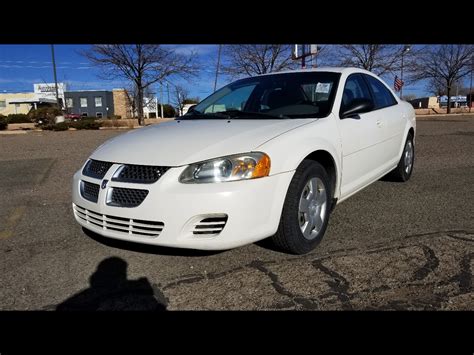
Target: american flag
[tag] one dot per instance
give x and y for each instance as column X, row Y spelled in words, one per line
column 398, row 83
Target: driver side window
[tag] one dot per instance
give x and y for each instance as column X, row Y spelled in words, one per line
column 355, row 88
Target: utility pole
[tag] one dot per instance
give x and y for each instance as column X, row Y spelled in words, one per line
column 55, row 77
column 217, row 67
column 470, row 85
column 161, row 101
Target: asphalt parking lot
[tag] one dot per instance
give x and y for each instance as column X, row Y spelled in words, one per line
column 392, row 246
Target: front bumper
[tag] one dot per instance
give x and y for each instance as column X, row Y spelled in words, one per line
column 253, row 208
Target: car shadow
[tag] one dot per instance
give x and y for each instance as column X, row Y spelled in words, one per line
column 389, row 178
column 148, row 249
column 110, row 290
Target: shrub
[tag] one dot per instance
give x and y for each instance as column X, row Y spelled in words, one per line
column 3, row 123
column 44, row 115
column 86, row 124
column 18, row 118
column 62, row 126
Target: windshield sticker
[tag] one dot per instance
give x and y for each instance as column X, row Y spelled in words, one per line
column 323, row 88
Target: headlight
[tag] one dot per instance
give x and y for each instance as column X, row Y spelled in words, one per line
column 230, row 168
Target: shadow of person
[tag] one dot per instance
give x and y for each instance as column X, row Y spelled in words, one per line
column 111, row 291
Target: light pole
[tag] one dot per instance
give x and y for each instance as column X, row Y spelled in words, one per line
column 217, row 67
column 470, row 85
column 55, row 77
column 405, row 50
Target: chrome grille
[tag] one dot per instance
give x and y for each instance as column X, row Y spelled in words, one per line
column 139, row 174
column 210, row 226
column 122, row 225
column 121, row 197
column 90, row 191
column 96, row 169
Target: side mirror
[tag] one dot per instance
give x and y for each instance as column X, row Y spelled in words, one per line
column 191, row 109
column 357, row 106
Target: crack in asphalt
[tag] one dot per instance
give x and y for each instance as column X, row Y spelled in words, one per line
column 303, row 302
column 338, row 284
column 432, row 262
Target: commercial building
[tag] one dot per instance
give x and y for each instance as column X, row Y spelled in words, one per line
column 425, row 102
column 122, row 104
column 13, row 103
column 456, row 101
column 90, row 103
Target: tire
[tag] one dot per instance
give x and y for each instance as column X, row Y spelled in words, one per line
column 290, row 237
column 404, row 168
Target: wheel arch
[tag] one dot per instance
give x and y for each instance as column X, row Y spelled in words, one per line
column 329, row 163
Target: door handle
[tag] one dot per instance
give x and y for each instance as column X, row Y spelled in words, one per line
column 379, row 123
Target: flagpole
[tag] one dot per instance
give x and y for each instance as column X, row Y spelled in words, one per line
column 405, row 49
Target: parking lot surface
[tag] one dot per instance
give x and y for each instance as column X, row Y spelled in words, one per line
column 393, row 246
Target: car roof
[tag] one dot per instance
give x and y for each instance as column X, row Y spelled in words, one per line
column 348, row 70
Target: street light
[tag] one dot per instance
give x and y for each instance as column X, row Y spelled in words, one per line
column 405, row 50
column 470, row 85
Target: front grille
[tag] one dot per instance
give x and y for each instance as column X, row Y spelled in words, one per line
column 121, row 197
column 90, row 191
column 139, row 174
column 210, row 226
column 125, row 226
column 96, row 169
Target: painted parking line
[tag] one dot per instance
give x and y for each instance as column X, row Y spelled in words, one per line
column 12, row 222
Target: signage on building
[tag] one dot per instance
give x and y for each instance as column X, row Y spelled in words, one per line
column 48, row 90
column 444, row 99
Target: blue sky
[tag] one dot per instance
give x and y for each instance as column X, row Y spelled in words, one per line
column 23, row 65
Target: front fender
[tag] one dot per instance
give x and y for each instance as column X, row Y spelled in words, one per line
column 287, row 151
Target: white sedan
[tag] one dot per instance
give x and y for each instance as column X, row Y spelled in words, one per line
column 266, row 156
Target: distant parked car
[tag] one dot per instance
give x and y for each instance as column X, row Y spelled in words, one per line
column 72, row 116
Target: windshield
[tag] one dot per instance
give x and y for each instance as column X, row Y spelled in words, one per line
column 277, row 96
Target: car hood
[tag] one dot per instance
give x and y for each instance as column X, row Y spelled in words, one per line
column 177, row 143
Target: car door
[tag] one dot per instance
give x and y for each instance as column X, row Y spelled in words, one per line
column 392, row 120
column 361, row 139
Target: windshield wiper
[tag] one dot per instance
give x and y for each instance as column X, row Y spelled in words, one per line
column 230, row 114
column 199, row 115
column 238, row 113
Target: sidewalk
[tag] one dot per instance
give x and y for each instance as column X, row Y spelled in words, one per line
column 454, row 117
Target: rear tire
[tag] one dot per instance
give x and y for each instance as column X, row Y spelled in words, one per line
column 306, row 209
column 404, row 168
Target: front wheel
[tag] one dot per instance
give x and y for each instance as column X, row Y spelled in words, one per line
column 306, row 209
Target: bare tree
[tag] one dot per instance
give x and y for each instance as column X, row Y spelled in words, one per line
column 181, row 96
column 445, row 64
column 436, row 86
column 142, row 64
column 255, row 59
column 377, row 58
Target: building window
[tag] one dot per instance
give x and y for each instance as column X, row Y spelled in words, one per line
column 98, row 101
column 98, row 114
column 83, row 101
column 3, row 104
column 69, row 102
column 84, row 114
